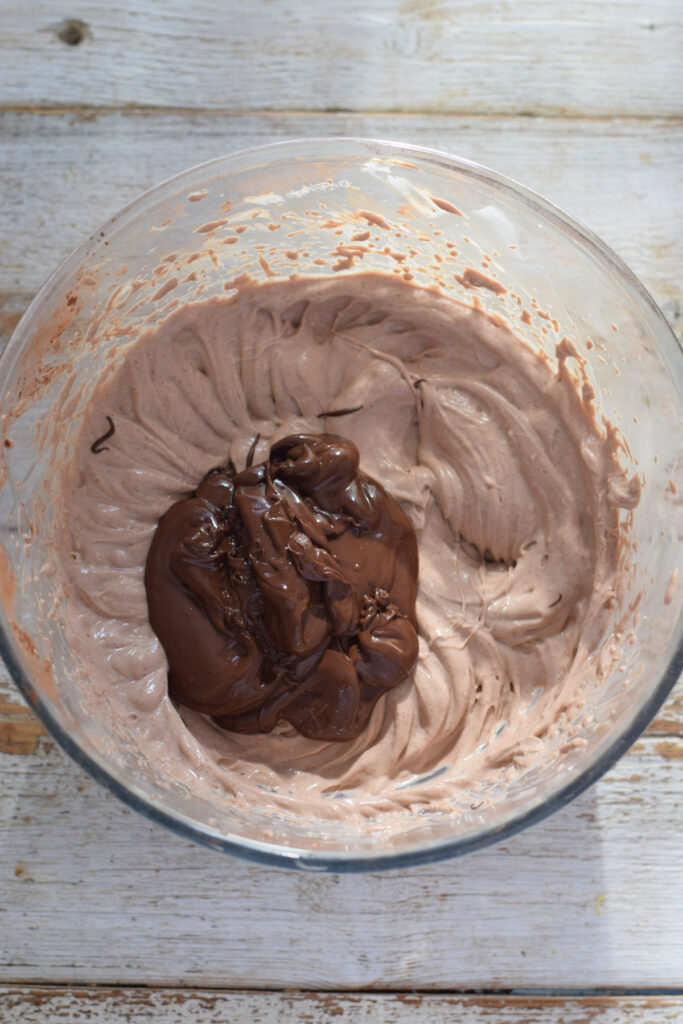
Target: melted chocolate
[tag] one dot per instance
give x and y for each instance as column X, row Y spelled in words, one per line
column 286, row 592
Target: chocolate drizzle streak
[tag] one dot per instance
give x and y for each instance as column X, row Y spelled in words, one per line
column 286, row 592
column 252, row 450
column 339, row 412
column 98, row 445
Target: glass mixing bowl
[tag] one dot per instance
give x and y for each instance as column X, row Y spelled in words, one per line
column 431, row 206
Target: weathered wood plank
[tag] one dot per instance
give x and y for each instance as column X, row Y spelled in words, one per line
column 92, row 893
column 61, row 175
column 452, row 56
column 669, row 720
column 38, row 1005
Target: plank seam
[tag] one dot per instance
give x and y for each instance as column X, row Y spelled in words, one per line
column 502, row 993
column 145, row 110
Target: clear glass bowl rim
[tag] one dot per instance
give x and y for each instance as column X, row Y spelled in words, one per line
column 282, row 856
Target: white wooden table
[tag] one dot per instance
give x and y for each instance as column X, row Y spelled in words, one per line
column 105, row 917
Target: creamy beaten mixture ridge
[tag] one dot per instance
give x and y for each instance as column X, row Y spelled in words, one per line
column 512, row 491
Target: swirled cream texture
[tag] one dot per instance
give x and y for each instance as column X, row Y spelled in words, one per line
column 513, row 493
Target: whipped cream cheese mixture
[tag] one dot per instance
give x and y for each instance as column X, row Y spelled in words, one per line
column 511, row 489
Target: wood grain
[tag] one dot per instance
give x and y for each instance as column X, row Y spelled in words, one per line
column 91, row 892
column 37, row 1005
column 450, row 56
column 669, row 720
column 62, row 174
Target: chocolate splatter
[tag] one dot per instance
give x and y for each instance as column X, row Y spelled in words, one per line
column 339, row 412
column 252, row 451
column 447, row 207
column 98, row 445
